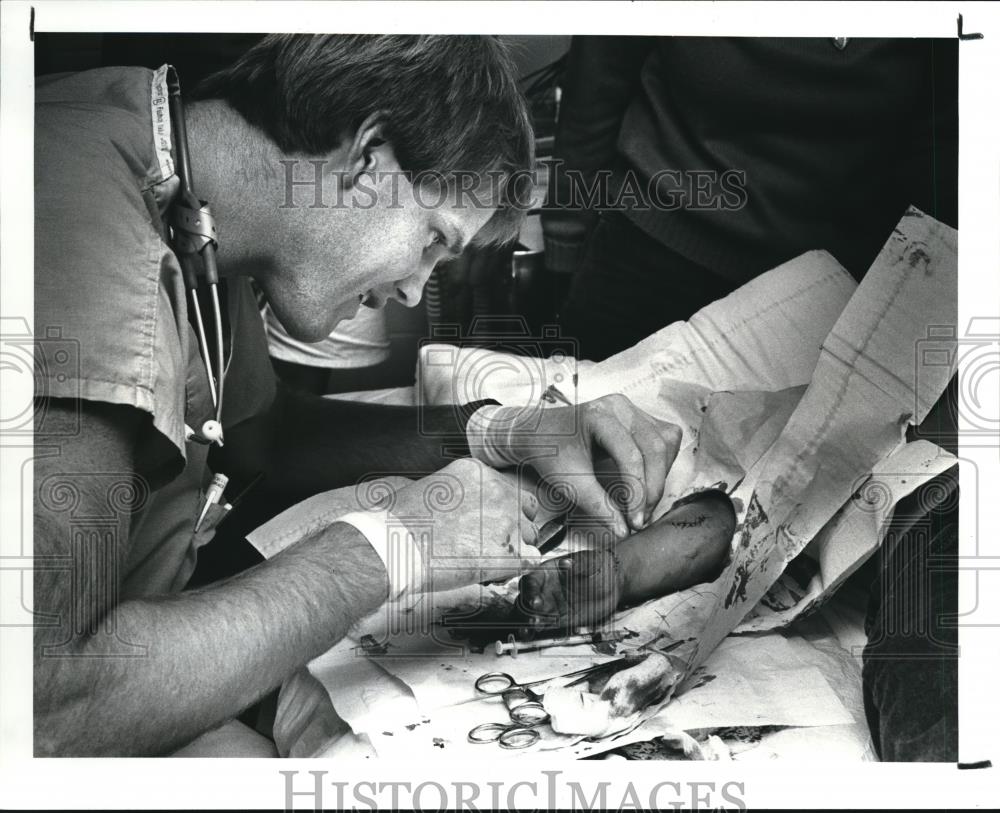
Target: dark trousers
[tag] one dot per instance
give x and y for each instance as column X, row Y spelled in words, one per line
column 630, row 285
column 910, row 663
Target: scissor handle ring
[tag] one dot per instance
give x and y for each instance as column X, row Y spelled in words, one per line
column 488, row 732
column 517, row 696
column 516, row 738
column 529, row 714
column 483, row 681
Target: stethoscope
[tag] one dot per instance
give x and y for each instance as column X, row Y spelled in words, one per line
column 194, row 237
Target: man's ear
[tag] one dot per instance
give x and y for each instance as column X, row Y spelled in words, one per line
column 369, row 152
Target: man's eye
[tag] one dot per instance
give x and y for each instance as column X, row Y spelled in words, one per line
column 437, row 239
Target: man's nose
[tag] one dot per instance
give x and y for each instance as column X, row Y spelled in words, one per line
column 409, row 291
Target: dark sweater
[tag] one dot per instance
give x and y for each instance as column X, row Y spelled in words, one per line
column 833, row 144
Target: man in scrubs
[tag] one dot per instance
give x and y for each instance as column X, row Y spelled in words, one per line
column 126, row 661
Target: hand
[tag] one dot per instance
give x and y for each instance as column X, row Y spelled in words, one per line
column 581, row 589
column 641, row 447
column 472, row 523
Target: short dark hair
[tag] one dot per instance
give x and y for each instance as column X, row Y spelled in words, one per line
column 450, row 104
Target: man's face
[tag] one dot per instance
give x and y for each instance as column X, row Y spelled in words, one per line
column 379, row 239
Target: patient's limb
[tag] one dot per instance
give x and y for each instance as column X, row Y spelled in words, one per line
column 687, row 546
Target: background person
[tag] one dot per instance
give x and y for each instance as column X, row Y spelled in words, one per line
column 730, row 156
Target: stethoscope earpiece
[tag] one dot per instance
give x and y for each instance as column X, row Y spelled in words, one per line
column 211, row 432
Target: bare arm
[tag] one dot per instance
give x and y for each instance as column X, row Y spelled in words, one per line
column 146, row 676
column 686, row 546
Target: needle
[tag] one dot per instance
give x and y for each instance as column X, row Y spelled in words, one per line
column 513, row 648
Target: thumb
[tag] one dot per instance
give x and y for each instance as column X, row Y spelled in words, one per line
column 524, row 548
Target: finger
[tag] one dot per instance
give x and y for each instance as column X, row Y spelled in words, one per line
column 617, row 441
column 534, row 588
column 541, row 596
column 529, row 532
column 521, row 543
column 529, row 504
column 529, row 593
column 586, row 594
column 562, row 607
column 553, row 606
column 655, row 464
column 575, row 579
column 672, row 436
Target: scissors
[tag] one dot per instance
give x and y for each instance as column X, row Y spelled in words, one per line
column 517, row 734
column 525, row 706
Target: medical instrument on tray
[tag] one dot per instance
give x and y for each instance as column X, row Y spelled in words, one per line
column 194, row 236
column 525, row 705
column 513, row 646
column 502, row 684
column 520, row 732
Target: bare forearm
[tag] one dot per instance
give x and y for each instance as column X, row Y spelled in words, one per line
column 686, row 546
column 207, row 653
